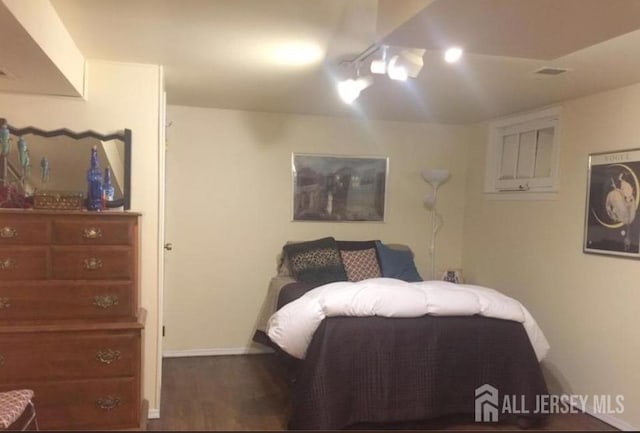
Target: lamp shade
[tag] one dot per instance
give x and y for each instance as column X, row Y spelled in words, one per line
column 434, row 176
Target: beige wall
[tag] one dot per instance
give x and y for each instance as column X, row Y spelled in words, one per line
column 229, row 195
column 587, row 305
column 120, row 96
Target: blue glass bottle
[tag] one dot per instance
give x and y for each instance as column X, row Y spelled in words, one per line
column 94, row 183
column 108, row 190
column 5, row 137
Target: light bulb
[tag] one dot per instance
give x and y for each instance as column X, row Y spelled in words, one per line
column 349, row 90
column 378, row 67
column 395, row 72
column 453, row 54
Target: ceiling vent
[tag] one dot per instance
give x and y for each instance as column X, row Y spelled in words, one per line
column 546, row 70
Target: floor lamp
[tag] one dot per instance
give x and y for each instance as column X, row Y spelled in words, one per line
column 435, row 178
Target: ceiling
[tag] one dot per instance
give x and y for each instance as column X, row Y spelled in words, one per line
column 228, row 53
column 24, row 65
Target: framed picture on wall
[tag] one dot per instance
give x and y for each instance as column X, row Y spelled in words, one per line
column 612, row 225
column 339, row 188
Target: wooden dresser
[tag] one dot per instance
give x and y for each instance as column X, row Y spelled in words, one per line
column 70, row 328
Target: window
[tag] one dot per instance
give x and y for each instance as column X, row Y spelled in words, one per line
column 522, row 155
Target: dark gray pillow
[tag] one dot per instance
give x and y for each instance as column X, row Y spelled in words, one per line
column 355, row 245
column 315, row 261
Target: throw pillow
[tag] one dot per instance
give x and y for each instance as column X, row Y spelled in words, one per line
column 361, row 264
column 315, row 261
column 355, row 245
column 397, row 264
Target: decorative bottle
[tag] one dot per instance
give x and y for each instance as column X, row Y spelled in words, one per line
column 5, row 138
column 108, row 190
column 94, row 183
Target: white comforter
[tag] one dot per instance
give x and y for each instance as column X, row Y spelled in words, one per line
column 293, row 326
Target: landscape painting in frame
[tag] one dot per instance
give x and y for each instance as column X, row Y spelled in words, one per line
column 338, row 188
column 612, row 222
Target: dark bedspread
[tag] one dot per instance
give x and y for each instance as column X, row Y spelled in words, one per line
column 375, row 369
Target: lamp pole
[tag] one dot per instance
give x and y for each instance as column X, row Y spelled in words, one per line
column 434, row 229
column 435, row 178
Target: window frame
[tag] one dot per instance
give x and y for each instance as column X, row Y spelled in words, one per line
column 523, row 187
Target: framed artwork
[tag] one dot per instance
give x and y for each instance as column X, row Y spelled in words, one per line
column 612, row 225
column 338, row 188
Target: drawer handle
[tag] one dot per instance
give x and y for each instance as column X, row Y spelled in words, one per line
column 92, row 263
column 5, row 303
column 92, row 233
column 1, row 360
column 105, row 301
column 108, row 403
column 8, row 233
column 108, row 356
column 7, row 264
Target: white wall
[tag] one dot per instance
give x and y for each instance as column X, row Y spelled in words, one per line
column 119, row 96
column 229, row 193
column 587, row 305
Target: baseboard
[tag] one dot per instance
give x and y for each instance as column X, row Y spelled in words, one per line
column 153, row 413
column 611, row 420
column 216, row 352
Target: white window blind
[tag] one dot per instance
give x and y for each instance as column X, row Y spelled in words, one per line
column 523, row 152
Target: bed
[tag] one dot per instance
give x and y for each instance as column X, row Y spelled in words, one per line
column 376, row 369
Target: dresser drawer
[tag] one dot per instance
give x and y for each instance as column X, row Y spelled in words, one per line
column 23, row 263
column 33, row 356
column 23, row 230
column 70, row 328
column 93, row 231
column 52, row 300
column 91, row 263
column 105, row 404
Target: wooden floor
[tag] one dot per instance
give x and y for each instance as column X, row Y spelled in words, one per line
column 246, row 392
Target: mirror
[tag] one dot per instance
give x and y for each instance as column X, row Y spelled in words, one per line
column 58, row 161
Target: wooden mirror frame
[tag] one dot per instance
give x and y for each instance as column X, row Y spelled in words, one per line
column 124, row 136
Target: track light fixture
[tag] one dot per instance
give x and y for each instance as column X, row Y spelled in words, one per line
column 379, row 66
column 407, row 63
column 395, row 71
column 350, row 89
column 403, row 63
